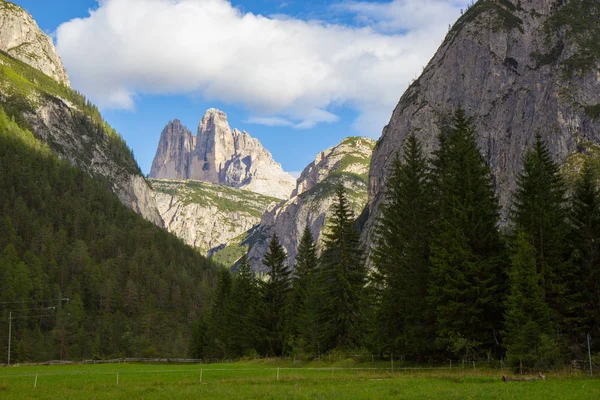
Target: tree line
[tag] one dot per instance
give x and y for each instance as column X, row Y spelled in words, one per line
column 448, row 280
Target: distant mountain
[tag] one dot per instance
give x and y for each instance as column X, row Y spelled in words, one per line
column 518, row 67
column 219, row 155
column 21, row 38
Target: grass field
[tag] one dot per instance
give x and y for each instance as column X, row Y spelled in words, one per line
column 258, row 380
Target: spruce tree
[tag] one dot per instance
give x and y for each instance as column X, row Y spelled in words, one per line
column 218, row 332
column 401, row 254
column 584, row 287
column 305, row 303
column 274, row 292
column 528, row 331
column 343, row 276
column 466, row 289
column 242, row 311
column 540, row 212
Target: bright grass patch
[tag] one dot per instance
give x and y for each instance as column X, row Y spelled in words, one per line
column 258, row 380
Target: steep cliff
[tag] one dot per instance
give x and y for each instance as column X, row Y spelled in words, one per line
column 21, row 38
column 219, row 155
column 75, row 130
column 209, row 216
column 518, row 68
column 346, row 164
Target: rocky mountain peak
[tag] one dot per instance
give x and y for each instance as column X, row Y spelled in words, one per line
column 218, row 154
column 21, row 37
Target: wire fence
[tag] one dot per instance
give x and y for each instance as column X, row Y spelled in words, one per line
column 147, row 371
column 204, row 375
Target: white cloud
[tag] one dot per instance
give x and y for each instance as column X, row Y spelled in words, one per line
column 285, row 68
column 269, row 121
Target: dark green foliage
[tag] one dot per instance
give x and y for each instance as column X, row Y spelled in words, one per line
column 242, row 312
column 529, row 338
column 219, row 332
column 585, row 241
column 343, row 276
column 540, row 212
column 593, row 111
column 401, row 256
column 134, row 288
column 305, row 297
column 503, row 12
column 580, row 22
column 275, row 292
column 466, row 289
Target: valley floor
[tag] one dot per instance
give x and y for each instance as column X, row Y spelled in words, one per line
column 269, row 380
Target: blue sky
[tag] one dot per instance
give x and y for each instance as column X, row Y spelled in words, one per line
column 298, row 75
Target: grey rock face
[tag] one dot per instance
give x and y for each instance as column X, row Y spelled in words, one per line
column 219, row 155
column 64, row 129
column 517, row 69
column 346, row 164
column 208, row 216
column 21, row 37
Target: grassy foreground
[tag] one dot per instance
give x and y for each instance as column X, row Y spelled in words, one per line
column 258, row 380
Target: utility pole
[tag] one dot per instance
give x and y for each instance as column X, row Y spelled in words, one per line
column 589, row 354
column 9, row 333
column 25, row 309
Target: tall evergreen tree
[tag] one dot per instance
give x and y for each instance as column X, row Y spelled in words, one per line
column 466, row 289
column 528, row 330
column 585, row 243
column 343, row 275
column 242, row 311
column 305, row 303
column 275, row 291
column 218, row 333
column 401, row 254
column 540, row 212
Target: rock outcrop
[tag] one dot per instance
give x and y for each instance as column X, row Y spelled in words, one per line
column 518, row 68
column 346, row 164
column 209, row 216
column 219, row 155
column 21, row 37
column 75, row 138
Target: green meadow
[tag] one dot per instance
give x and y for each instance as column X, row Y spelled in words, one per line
column 263, row 380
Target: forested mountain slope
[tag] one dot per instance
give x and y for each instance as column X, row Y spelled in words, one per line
column 134, row 289
column 61, row 117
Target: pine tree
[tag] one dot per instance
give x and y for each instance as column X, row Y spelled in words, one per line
column 466, row 289
column 218, row 332
column 274, row 292
column 540, row 212
column 305, row 303
column 343, row 276
column 401, row 255
column 584, row 287
column 200, row 340
column 242, row 311
column 528, row 331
